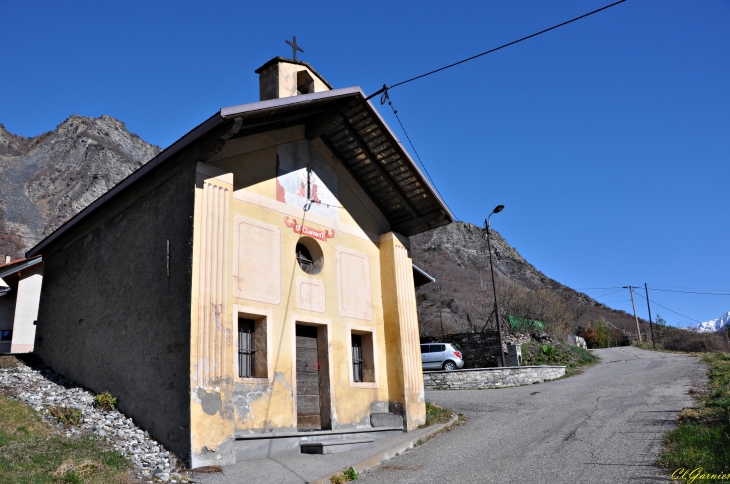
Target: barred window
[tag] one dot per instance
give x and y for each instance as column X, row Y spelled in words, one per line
column 356, row 357
column 246, row 350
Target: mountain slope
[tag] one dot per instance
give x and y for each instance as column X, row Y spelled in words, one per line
column 457, row 256
column 47, row 179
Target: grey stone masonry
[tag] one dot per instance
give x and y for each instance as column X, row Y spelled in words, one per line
column 477, row 378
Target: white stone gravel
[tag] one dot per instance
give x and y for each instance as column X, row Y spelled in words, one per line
column 42, row 388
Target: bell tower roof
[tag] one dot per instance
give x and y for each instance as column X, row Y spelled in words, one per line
column 281, row 77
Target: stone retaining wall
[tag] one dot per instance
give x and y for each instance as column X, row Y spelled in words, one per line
column 478, row 378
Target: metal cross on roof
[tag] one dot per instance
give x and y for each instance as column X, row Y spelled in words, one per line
column 294, row 47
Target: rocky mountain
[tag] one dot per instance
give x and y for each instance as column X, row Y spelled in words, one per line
column 461, row 299
column 47, row 179
column 713, row 325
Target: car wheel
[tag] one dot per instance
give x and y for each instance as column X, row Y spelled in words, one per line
column 449, row 366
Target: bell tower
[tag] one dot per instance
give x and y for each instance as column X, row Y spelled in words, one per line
column 281, row 77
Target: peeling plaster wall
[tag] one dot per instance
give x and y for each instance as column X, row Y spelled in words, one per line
column 247, row 168
column 111, row 319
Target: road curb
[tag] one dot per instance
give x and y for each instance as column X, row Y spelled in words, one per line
column 367, row 464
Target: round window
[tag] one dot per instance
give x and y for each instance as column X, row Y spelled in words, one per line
column 309, row 255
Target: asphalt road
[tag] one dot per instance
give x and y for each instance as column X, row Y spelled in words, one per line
column 603, row 426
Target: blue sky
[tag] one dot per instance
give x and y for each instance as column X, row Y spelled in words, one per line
column 607, row 140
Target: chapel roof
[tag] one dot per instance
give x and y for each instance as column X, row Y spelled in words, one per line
column 347, row 124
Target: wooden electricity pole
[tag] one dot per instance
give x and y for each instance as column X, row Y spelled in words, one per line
column 638, row 330
column 653, row 343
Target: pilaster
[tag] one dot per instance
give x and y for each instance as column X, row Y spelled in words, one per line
column 405, row 376
column 212, row 428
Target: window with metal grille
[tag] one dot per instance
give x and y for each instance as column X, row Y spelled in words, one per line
column 246, row 350
column 357, row 358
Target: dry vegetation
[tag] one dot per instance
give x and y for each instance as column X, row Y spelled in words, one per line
column 461, row 299
column 559, row 314
column 33, row 452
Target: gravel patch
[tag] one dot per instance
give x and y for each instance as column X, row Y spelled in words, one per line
column 42, row 389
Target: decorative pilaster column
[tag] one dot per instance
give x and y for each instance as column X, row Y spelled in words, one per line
column 402, row 341
column 211, row 422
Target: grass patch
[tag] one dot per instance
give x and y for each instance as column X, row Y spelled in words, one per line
column 8, row 361
column 345, row 476
column 436, row 414
column 703, row 435
column 33, row 452
column 575, row 359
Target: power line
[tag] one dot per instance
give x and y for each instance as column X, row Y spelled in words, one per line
column 691, row 292
column 670, row 310
column 386, row 88
column 596, row 288
column 695, row 288
column 395, row 112
column 608, row 294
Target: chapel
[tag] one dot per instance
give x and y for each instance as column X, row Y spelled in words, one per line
column 249, row 292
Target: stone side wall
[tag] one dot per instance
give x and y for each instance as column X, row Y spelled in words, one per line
column 112, row 320
column 490, row 377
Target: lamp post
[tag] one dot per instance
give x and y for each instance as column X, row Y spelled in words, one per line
column 497, row 209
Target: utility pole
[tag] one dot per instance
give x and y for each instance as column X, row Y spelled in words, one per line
column 653, row 343
column 638, row 330
column 497, row 209
column 440, row 317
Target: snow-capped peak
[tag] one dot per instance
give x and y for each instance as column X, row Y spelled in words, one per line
column 713, row 325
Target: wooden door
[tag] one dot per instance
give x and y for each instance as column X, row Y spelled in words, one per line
column 308, row 401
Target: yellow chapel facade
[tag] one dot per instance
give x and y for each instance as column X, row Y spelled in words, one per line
column 302, row 310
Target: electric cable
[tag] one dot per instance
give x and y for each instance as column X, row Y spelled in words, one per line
column 670, row 310
column 395, row 112
column 385, row 88
column 691, row 292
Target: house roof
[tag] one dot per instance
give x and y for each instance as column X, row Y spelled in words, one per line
column 350, row 127
column 18, row 265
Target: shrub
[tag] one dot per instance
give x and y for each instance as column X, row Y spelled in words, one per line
column 677, row 339
column 66, row 415
column 346, row 476
column 105, row 401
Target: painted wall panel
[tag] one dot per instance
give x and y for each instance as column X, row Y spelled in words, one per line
column 257, row 256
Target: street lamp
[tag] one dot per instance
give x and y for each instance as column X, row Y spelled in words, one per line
column 497, row 209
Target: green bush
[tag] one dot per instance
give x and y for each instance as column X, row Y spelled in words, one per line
column 105, row 401
column 350, row 474
column 559, row 354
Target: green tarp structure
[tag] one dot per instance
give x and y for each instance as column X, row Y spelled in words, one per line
column 524, row 325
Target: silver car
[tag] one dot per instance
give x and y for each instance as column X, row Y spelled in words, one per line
column 440, row 356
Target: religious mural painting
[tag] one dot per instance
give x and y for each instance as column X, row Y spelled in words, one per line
column 305, row 179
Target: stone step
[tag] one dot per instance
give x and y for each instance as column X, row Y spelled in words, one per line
column 385, row 419
column 334, row 446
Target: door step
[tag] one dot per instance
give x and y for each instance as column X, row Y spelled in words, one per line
column 334, row 446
